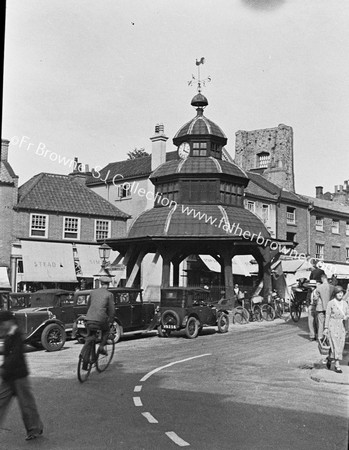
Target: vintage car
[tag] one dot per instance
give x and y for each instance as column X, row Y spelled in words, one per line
column 131, row 313
column 190, row 309
column 48, row 319
column 19, row 300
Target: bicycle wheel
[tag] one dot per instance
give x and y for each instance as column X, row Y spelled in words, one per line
column 278, row 310
column 103, row 361
column 268, row 312
column 296, row 311
column 256, row 313
column 84, row 363
column 241, row 316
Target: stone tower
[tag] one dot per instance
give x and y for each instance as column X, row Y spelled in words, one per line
column 269, row 152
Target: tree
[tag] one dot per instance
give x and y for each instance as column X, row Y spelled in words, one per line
column 137, row 153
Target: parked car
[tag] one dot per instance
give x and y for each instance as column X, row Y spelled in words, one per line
column 131, row 313
column 190, row 309
column 48, row 319
column 19, row 300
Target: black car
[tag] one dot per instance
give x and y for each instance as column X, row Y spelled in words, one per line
column 47, row 319
column 190, row 309
column 131, row 313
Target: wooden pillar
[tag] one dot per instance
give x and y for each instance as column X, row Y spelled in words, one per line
column 267, row 286
column 176, row 272
column 228, row 276
column 166, row 267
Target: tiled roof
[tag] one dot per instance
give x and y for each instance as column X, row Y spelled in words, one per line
column 327, row 204
column 130, row 168
column 62, row 193
column 6, row 173
column 166, row 221
column 198, row 165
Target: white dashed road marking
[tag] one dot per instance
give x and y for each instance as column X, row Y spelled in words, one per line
column 149, row 417
column 176, row 439
column 137, row 401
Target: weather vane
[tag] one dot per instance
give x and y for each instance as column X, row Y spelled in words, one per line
column 197, row 80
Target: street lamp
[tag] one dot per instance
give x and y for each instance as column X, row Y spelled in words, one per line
column 104, row 253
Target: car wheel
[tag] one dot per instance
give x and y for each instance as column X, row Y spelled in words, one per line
column 192, row 328
column 163, row 333
column 170, row 317
column 116, row 330
column 53, row 337
column 223, row 323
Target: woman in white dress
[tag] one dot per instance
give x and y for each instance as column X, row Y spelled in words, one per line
column 337, row 311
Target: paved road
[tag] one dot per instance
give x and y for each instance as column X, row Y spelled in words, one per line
column 248, row 389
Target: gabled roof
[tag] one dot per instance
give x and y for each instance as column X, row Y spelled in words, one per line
column 64, row 194
column 123, row 170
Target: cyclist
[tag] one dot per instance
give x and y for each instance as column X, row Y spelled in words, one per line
column 101, row 311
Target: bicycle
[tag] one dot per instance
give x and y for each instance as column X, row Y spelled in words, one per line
column 90, row 355
column 252, row 312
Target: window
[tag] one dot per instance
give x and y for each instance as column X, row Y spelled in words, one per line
column 199, row 149
column 347, row 228
column 71, row 229
column 250, row 206
column 319, row 223
column 38, row 225
column 290, row 237
column 265, row 213
column 291, row 215
column 199, row 191
column 167, row 190
column 125, row 190
column 319, row 251
column 347, row 255
column 263, row 160
column 231, row 194
column 102, row 229
column 335, row 226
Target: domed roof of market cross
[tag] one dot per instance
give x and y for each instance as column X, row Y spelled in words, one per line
column 200, row 125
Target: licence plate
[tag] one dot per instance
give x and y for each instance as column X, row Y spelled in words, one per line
column 170, row 327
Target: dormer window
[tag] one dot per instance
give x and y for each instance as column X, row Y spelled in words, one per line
column 263, row 160
column 199, row 148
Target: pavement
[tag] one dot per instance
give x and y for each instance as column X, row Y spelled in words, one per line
column 318, row 370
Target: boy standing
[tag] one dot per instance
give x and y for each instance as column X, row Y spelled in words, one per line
column 14, row 374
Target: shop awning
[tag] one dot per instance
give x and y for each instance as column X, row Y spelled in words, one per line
column 241, row 265
column 90, row 262
column 4, row 282
column 48, row 262
column 340, row 271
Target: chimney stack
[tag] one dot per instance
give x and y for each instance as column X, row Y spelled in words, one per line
column 319, row 191
column 4, row 149
column 158, row 153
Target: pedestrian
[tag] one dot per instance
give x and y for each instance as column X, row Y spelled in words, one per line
column 316, row 272
column 14, row 373
column 323, row 295
column 239, row 295
column 337, row 311
column 311, row 301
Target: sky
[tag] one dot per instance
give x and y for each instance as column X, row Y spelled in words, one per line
column 91, row 79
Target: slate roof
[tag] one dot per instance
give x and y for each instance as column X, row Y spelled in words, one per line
column 63, row 194
column 130, row 168
column 198, row 165
column 260, row 186
column 176, row 222
column 327, row 204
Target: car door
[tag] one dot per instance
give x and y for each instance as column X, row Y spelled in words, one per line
column 66, row 307
column 137, row 310
column 123, row 310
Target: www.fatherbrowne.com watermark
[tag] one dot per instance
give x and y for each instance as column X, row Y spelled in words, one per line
column 158, row 198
